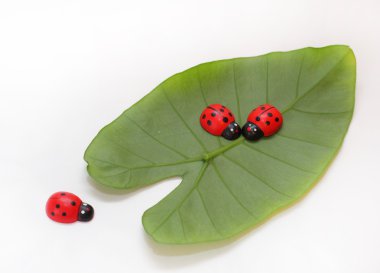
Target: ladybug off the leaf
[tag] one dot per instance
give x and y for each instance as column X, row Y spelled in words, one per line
column 66, row 207
column 218, row 120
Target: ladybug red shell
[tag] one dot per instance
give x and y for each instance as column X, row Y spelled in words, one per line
column 65, row 207
column 218, row 120
column 264, row 120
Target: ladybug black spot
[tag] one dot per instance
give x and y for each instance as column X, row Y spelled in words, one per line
column 223, row 106
column 213, row 114
column 73, row 203
column 62, row 193
column 262, row 108
column 52, row 213
column 230, row 114
column 63, row 213
column 204, row 116
column 221, row 110
column 209, row 122
column 270, row 114
column 277, row 119
column 257, row 118
column 225, row 119
column 267, row 123
column 57, row 206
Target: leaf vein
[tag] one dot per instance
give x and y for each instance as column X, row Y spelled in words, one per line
column 158, row 141
column 183, row 120
column 258, row 178
column 129, row 151
column 148, row 166
column 201, row 87
column 117, row 174
column 320, row 113
column 199, row 177
column 204, row 97
column 278, row 159
column 316, row 84
column 206, row 210
column 182, row 224
column 305, row 141
column 267, row 79
column 299, row 75
column 236, row 91
column 231, row 193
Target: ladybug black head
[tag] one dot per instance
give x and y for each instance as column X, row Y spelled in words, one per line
column 233, row 131
column 86, row 212
column 252, row 132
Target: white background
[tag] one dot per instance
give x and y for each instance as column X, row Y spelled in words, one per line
column 67, row 68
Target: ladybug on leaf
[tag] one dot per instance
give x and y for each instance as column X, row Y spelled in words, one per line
column 218, row 120
column 264, row 120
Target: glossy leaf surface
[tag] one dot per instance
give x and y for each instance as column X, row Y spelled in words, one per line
column 229, row 187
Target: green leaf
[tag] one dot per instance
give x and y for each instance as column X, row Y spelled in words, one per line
column 229, row 187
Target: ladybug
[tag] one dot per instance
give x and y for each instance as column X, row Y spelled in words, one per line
column 65, row 207
column 218, row 120
column 264, row 120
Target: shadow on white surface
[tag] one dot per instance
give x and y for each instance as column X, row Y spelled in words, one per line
column 177, row 257
column 181, row 256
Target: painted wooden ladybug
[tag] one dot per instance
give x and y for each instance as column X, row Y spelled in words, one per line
column 218, row 120
column 264, row 120
column 65, row 207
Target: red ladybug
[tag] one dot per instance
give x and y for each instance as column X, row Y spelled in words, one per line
column 219, row 121
column 65, row 207
column 264, row 120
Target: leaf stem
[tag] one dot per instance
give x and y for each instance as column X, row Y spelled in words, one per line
column 211, row 155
